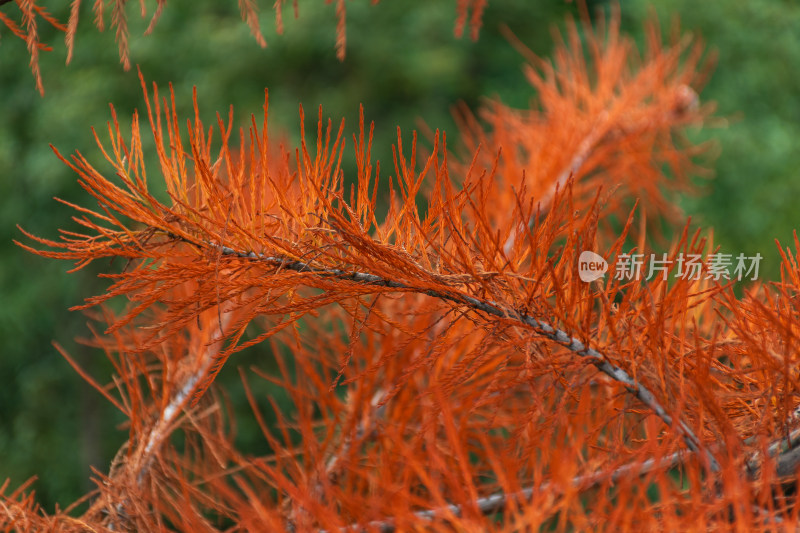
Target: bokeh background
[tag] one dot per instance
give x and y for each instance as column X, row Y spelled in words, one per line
column 406, row 67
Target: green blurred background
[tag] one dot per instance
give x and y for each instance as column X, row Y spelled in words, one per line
column 404, row 64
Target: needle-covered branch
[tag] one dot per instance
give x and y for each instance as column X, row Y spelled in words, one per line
column 116, row 12
column 433, row 364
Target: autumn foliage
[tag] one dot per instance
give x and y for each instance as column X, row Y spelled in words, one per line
column 447, row 368
column 25, row 21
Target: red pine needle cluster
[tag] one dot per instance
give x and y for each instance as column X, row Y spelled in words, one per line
column 447, row 368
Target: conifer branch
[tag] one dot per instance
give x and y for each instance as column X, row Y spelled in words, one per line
column 142, row 450
column 499, row 501
column 441, row 412
column 787, row 452
column 249, row 13
column 541, row 327
column 181, row 398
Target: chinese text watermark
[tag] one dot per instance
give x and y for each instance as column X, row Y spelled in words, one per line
column 716, row 266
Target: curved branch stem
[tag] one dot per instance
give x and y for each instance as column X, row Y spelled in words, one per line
column 489, row 307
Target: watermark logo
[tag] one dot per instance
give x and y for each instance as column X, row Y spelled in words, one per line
column 591, row 266
column 717, row 266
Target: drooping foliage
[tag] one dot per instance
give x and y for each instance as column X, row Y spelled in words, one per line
column 115, row 14
column 448, row 368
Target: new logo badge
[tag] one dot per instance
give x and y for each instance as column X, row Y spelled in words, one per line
column 591, row 266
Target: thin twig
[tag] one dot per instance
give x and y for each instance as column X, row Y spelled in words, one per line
column 787, row 451
column 375, row 413
column 498, row 501
column 162, row 427
column 585, row 148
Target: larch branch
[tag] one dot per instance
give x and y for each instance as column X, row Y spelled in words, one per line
column 786, row 451
column 496, row 502
column 492, row 308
